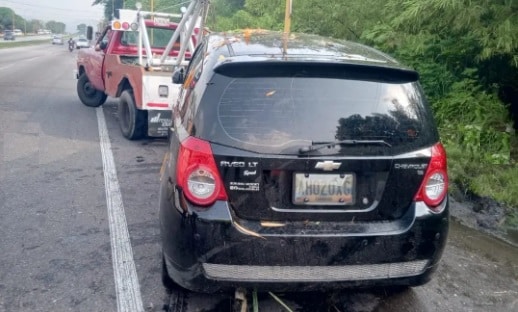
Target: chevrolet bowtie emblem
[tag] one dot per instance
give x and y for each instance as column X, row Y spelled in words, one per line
column 328, row 165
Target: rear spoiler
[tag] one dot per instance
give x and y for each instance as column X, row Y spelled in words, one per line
column 277, row 68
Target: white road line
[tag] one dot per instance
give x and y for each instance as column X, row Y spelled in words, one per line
column 126, row 281
column 33, row 58
column 6, row 66
column 26, row 60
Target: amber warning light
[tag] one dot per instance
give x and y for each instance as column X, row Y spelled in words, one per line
column 124, row 26
column 116, row 25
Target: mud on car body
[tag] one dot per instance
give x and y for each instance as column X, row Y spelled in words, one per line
column 302, row 164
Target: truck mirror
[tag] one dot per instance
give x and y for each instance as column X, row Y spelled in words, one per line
column 89, row 32
column 178, row 76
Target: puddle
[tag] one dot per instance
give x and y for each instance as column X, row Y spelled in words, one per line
column 484, row 215
column 512, row 234
column 475, row 240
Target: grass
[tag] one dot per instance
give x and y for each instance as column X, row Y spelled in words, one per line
column 10, row 44
column 468, row 173
column 500, row 183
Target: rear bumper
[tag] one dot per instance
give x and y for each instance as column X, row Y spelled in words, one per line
column 211, row 251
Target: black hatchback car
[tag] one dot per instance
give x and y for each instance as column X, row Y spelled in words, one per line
column 300, row 163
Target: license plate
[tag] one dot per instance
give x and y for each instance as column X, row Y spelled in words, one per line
column 161, row 20
column 323, row 189
column 159, row 122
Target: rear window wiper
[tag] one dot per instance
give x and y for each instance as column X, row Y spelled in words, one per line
column 320, row 145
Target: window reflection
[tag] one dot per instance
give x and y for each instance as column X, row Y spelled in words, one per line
column 277, row 111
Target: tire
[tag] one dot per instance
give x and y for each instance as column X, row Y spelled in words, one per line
column 177, row 302
column 132, row 121
column 167, row 281
column 87, row 94
column 177, row 294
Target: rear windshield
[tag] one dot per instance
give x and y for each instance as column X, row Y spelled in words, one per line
column 283, row 114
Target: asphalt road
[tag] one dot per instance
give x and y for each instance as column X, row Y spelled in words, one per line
column 57, row 245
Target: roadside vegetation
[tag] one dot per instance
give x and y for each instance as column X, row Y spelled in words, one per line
column 4, row 45
column 466, row 52
column 10, row 20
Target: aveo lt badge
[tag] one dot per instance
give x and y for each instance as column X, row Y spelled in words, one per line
column 328, row 165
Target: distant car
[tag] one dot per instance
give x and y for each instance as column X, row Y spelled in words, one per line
column 57, row 39
column 9, row 35
column 82, row 43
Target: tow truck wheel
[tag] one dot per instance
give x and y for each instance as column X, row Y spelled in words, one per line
column 132, row 121
column 88, row 95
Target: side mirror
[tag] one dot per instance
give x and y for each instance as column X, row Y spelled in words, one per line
column 89, row 32
column 178, row 76
column 100, row 46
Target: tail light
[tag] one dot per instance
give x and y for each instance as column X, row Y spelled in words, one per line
column 197, row 174
column 434, row 188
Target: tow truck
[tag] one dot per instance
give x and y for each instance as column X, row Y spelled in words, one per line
column 133, row 60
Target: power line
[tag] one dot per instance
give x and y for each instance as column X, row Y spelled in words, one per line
column 41, row 10
column 42, row 6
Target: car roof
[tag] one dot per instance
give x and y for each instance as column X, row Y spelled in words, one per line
column 258, row 44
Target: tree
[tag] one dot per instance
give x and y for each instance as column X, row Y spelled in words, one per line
column 10, row 20
column 34, row 24
column 330, row 18
column 6, row 18
column 55, row 27
column 226, row 8
column 111, row 7
column 167, row 6
column 452, row 40
column 81, row 28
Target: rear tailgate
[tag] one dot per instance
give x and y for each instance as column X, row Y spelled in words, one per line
column 270, row 187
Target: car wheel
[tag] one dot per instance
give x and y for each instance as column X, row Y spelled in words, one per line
column 167, row 281
column 177, row 302
column 177, row 294
column 88, row 95
column 132, row 121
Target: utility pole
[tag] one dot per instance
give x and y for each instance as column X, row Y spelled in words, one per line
column 287, row 17
column 287, row 25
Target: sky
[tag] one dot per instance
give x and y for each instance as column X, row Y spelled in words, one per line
column 70, row 12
